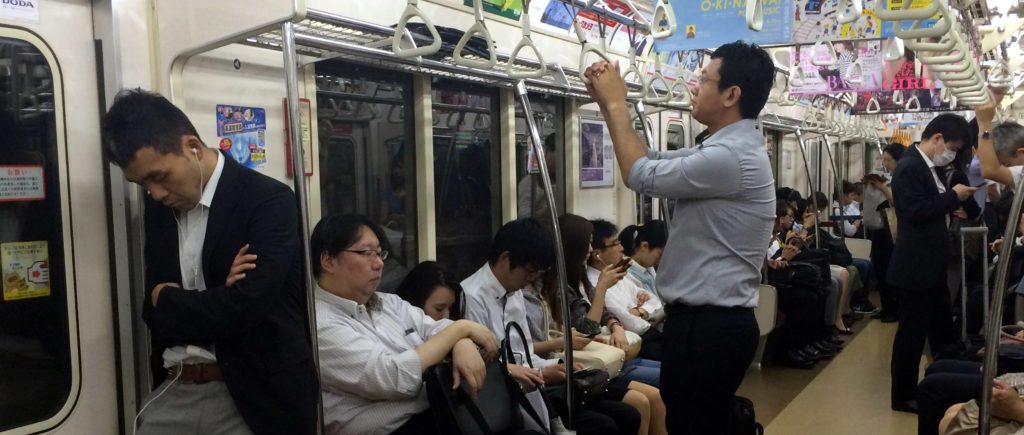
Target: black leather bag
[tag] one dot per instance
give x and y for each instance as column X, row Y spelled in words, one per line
column 839, row 255
column 494, row 411
column 587, row 384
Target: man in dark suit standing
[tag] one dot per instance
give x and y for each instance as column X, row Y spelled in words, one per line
column 919, row 260
column 224, row 299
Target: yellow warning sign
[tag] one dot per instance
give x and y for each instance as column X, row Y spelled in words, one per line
column 26, row 270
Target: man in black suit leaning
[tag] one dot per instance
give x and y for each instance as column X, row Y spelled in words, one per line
column 224, row 298
column 921, row 255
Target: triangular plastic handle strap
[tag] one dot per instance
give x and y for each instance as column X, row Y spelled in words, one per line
column 680, row 92
column 897, row 97
column 411, row 11
column 831, row 60
column 589, row 47
column 873, row 106
column 479, row 28
column 526, row 42
column 651, row 95
column 796, row 76
column 634, row 71
column 913, row 104
column 664, row 24
column 849, row 11
column 855, row 72
column 755, row 15
column 894, row 50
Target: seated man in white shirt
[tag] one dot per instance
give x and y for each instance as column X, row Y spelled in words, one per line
column 635, row 308
column 520, row 252
column 375, row 347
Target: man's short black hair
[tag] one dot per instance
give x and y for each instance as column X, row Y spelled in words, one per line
column 527, row 242
column 140, row 119
column 952, row 127
column 602, row 230
column 749, row 67
column 334, row 234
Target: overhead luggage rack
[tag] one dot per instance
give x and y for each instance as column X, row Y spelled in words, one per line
column 323, row 35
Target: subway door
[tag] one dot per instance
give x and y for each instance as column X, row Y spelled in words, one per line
column 57, row 365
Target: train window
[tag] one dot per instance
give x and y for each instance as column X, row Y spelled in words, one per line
column 367, row 155
column 676, row 137
column 531, row 199
column 36, row 357
column 466, row 173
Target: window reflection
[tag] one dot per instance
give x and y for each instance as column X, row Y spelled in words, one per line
column 531, row 199
column 466, row 174
column 367, row 155
column 35, row 349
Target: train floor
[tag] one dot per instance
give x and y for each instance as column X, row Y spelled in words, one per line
column 847, row 395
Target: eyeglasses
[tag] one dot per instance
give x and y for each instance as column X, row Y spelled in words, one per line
column 370, row 253
column 701, row 80
column 610, row 245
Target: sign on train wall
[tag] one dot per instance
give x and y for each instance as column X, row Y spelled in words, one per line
column 711, row 23
column 842, row 75
column 242, row 134
column 815, row 20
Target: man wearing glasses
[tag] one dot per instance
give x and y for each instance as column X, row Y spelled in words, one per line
column 724, row 212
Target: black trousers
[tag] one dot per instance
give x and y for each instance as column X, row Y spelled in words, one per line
column 923, row 315
column 804, row 310
column 650, row 345
column 945, row 384
column 604, row 417
column 881, row 252
column 705, row 354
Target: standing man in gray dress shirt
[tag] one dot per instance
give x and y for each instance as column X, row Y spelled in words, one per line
column 725, row 205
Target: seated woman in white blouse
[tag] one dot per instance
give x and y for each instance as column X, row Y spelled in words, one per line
column 374, row 347
column 633, row 306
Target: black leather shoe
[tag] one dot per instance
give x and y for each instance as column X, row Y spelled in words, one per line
column 809, row 352
column 794, row 360
column 824, row 351
column 908, row 406
column 835, row 339
column 825, row 345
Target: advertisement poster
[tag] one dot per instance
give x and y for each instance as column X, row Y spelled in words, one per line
column 815, row 20
column 711, row 23
column 24, row 10
column 26, row 270
column 511, row 9
column 556, row 16
column 305, row 126
column 841, row 77
column 22, row 183
column 596, row 155
column 900, row 83
column 889, row 27
column 242, row 133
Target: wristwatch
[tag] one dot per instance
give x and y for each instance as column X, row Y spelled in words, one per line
column 986, row 134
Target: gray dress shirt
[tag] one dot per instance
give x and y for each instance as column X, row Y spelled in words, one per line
column 725, row 208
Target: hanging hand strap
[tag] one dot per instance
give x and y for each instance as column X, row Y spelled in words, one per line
column 526, row 42
column 479, row 28
column 411, row 11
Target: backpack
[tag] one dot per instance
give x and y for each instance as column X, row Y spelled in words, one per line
column 743, row 420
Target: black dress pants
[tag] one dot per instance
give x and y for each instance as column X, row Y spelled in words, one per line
column 923, row 315
column 705, row 354
column 881, row 252
column 804, row 310
column 945, row 384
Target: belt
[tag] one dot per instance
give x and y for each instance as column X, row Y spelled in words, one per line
column 679, row 308
column 197, row 373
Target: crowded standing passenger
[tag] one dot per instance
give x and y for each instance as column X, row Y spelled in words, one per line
column 224, row 299
column 724, row 205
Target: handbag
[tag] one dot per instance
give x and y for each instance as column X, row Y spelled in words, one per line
column 494, row 411
column 596, row 355
column 633, row 339
column 587, row 384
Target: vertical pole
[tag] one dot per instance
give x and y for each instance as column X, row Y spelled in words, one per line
column 291, row 71
column 641, row 113
column 814, row 198
column 995, row 319
column 963, row 288
column 835, row 174
column 538, row 148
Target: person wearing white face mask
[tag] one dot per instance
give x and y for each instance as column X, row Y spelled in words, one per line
column 918, row 268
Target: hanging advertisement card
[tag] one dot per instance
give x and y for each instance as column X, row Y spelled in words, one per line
column 26, row 270
column 26, row 11
column 242, row 133
column 556, row 16
column 889, row 27
column 511, row 9
column 815, row 20
column 597, row 158
column 22, row 183
column 858, row 67
column 711, row 23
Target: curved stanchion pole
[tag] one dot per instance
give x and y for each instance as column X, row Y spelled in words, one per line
column 814, row 199
column 291, row 71
column 412, row 11
column 538, row 149
column 526, row 42
column 995, row 319
column 479, row 28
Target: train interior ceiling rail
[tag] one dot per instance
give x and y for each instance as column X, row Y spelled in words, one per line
column 430, row 117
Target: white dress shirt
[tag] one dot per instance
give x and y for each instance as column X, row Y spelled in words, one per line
column 486, row 302
column 191, row 235
column 622, row 297
column 370, row 372
column 935, row 175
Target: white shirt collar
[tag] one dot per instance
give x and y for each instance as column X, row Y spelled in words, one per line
column 492, row 287
column 927, row 160
column 211, row 186
column 347, row 306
